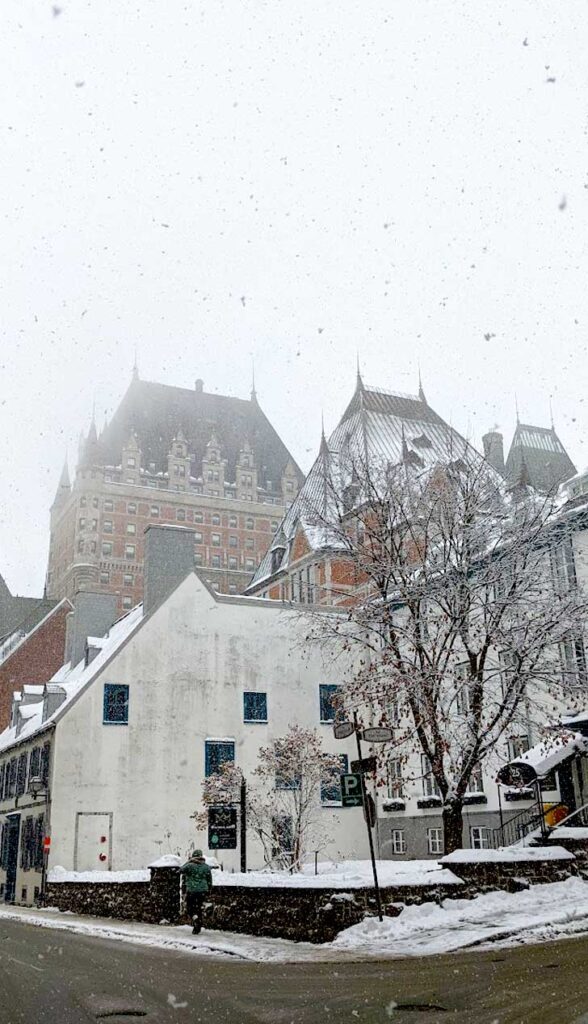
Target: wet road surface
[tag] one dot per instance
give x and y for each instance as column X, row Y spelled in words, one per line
column 55, row 977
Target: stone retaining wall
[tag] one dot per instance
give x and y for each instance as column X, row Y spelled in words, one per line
column 302, row 914
column 486, row 876
column 311, row 915
column 153, row 901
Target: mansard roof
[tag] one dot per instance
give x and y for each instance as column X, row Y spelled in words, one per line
column 542, row 455
column 158, row 412
column 378, row 427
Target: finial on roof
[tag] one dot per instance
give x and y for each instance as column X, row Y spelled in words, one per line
column 359, row 382
column 551, row 414
column 135, row 366
column 517, row 409
column 421, row 392
column 253, row 391
column 324, row 448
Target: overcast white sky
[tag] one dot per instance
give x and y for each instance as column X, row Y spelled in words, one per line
column 294, row 180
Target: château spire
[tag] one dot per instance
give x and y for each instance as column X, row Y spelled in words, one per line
column 253, row 391
column 64, row 485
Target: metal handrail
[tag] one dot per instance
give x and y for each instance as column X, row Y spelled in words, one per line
column 583, row 820
column 519, row 826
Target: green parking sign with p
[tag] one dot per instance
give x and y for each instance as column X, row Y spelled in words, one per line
column 351, row 792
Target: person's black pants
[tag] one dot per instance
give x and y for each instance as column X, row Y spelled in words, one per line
column 194, row 901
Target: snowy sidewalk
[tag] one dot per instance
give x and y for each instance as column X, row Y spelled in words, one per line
column 541, row 913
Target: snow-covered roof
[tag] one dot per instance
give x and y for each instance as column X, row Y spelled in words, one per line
column 550, row 752
column 378, row 428
column 71, row 680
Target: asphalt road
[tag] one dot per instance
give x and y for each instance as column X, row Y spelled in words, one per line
column 55, row 977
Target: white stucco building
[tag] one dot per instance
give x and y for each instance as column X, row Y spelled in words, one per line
column 194, row 677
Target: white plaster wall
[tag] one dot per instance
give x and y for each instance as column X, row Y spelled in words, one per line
column 187, row 668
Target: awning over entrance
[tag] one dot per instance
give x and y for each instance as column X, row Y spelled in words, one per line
column 541, row 759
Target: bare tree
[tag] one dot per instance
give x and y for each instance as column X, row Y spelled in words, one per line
column 460, row 598
column 283, row 796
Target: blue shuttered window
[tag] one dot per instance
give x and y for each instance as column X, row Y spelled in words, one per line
column 327, row 694
column 217, row 753
column 331, row 784
column 254, row 706
column 116, row 704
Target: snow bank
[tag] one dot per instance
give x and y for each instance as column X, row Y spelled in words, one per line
column 549, row 910
column 507, row 854
column 353, row 874
column 169, row 860
column 59, row 874
column 568, row 832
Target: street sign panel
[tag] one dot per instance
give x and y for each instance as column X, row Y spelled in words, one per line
column 365, row 766
column 369, row 810
column 377, row 734
column 222, row 828
column 351, row 793
column 343, row 729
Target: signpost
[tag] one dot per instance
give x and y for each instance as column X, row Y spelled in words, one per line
column 365, row 766
column 351, row 790
column 222, row 828
column 377, row 734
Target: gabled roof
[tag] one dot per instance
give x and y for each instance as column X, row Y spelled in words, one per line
column 156, row 413
column 20, row 614
column 538, row 452
column 72, row 679
column 19, row 636
column 377, row 427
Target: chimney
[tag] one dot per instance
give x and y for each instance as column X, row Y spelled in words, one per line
column 93, row 615
column 199, row 386
column 494, row 450
column 169, row 558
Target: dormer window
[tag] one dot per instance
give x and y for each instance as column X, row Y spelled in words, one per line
column 277, row 558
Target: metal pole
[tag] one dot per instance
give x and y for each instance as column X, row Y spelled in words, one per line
column 243, row 824
column 541, row 810
column 368, row 824
column 500, row 814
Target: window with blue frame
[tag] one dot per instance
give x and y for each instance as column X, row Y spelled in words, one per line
column 254, row 706
column 331, row 784
column 217, row 753
column 116, row 704
column 327, row 694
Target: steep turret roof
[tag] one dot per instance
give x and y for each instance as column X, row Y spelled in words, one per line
column 547, row 464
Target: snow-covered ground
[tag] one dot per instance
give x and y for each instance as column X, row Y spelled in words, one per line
column 351, row 874
column 541, row 913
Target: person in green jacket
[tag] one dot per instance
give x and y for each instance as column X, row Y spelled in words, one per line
column 198, row 880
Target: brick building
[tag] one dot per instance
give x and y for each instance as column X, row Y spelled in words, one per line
column 177, row 456
column 33, row 656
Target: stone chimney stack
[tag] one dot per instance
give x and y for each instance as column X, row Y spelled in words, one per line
column 494, row 450
column 169, row 558
column 93, row 615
